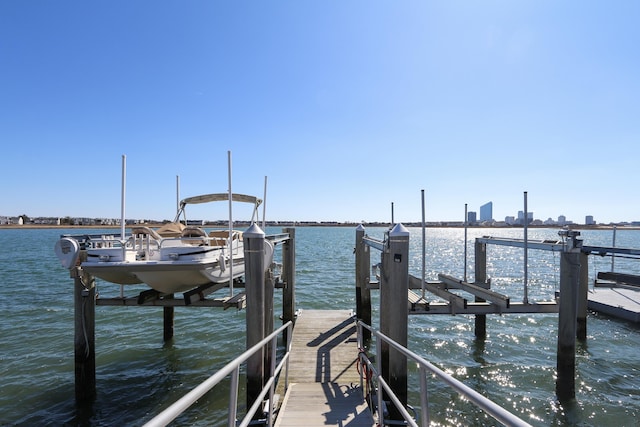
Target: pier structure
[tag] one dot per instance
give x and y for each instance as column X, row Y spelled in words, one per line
column 572, row 305
column 320, row 370
column 259, row 292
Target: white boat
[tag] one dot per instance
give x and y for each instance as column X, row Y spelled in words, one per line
column 173, row 258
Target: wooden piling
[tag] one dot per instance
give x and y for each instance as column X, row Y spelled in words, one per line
column 168, row 320
column 255, row 317
column 394, row 288
column 363, row 293
column 567, row 324
column 480, row 251
column 84, row 340
column 289, row 276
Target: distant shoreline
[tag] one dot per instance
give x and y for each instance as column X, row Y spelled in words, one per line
column 411, row 225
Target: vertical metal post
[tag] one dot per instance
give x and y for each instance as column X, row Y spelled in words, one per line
column 525, row 298
column 567, row 324
column 466, row 225
column 425, row 419
column 123, row 198
column 480, row 253
column 396, row 273
column 272, row 368
column 380, row 367
column 233, row 397
column 363, row 293
column 230, row 239
column 123, row 220
column 269, row 286
column 385, row 310
column 264, row 206
column 393, row 221
column 177, row 193
column 424, row 248
column 255, row 317
column 613, row 243
column 84, row 341
column 289, row 277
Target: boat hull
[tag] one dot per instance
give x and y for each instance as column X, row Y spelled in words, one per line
column 119, row 273
column 165, row 276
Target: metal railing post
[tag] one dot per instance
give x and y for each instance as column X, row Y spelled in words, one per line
column 233, row 397
column 424, row 398
column 379, row 386
column 274, row 345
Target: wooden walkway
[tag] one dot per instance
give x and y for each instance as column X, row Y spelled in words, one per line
column 324, row 385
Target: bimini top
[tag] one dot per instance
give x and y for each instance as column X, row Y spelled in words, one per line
column 220, row 197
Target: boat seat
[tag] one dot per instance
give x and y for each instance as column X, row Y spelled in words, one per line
column 218, row 237
column 137, row 231
column 224, row 234
column 194, row 236
column 171, row 229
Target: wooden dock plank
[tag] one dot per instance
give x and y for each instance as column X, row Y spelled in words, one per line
column 323, row 380
column 324, row 348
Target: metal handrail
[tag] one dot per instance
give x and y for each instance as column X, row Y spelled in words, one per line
column 233, row 368
column 488, row 406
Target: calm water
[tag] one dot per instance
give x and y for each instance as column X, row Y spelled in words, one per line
column 138, row 374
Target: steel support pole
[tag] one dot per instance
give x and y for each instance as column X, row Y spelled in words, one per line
column 255, row 316
column 289, row 278
column 363, row 293
column 396, row 273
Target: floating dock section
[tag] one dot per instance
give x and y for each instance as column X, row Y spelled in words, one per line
column 616, row 295
column 616, row 301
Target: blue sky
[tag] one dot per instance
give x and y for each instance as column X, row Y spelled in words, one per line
column 346, row 106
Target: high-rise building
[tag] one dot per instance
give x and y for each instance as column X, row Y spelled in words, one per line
column 486, row 212
column 588, row 220
column 472, row 218
column 520, row 219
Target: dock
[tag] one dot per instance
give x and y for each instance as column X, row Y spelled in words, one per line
column 617, row 301
column 318, row 379
column 324, row 384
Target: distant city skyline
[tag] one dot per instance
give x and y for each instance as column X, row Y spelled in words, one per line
column 471, row 219
column 486, row 215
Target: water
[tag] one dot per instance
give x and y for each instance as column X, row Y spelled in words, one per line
column 137, row 374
